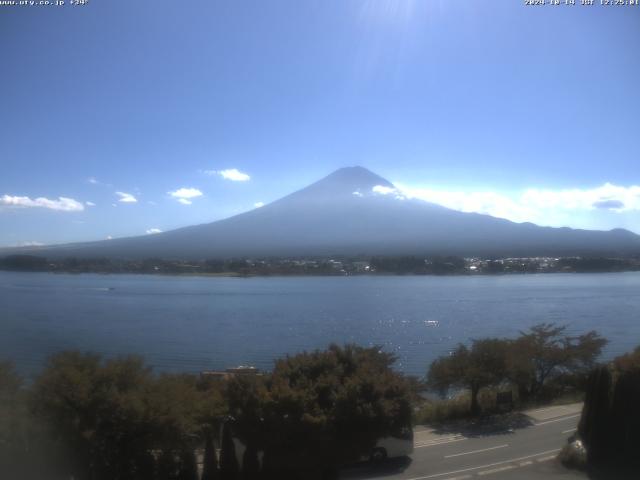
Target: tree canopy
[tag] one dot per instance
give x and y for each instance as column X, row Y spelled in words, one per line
column 610, row 418
column 529, row 361
column 482, row 365
column 108, row 416
column 546, row 351
column 115, row 419
column 322, row 408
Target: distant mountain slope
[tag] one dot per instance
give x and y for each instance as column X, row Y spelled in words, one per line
column 350, row 212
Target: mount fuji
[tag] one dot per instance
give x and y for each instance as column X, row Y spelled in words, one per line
column 353, row 211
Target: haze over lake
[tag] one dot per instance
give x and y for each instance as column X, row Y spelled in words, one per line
column 197, row 323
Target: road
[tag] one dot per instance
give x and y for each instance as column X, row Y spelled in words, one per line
column 522, row 446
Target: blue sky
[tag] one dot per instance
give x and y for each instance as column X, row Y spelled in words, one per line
column 530, row 113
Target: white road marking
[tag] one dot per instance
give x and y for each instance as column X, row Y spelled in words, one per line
column 496, row 470
column 438, row 441
column 555, row 407
column 476, row 451
column 434, row 444
column 463, row 477
column 570, row 430
column 437, row 438
column 435, row 475
column 557, row 420
column 441, row 437
column 538, row 410
column 545, row 459
column 524, row 464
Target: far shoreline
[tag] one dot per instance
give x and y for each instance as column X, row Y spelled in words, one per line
column 315, row 275
column 327, row 266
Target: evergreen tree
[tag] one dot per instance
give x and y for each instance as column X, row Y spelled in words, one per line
column 228, row 461
column 611, row 417
column 595, row 429
column 625, row 417
column 146, row 467
column 167, row 466
column 250, row 462
column 12, row 421
column 210, row 463
column 188, row 466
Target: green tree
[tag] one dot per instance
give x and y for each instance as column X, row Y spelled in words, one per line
column 63, row 399
column 210, row 462
column 188, row 466
column 594, row 424
column 173, row 407
column 105, row 418
column 228, row 461
column 168, row 466
column 628, row 361
column 146, row 466
column 545, row 352
column 482, row 365
column 12, row 420
column 611, row 418
column 250, row 462
column 94, row 411
column 322, row 408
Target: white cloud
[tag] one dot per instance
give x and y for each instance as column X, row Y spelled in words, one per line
column 183, row 195
column 90, row 204
column 382, row 190
column 232, row 174
column 548, row 207
column 609, row 196
column 258, row 204
column 186, row 193
column 126, row 197
column 151, row 231
column 109, row 237
column 63, row 204
column 31, row 244
column 92, row 180
column 357, row 193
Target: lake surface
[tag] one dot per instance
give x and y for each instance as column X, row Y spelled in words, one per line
column 197, row 323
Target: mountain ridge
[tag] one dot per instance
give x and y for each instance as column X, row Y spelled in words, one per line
column 353, row 211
